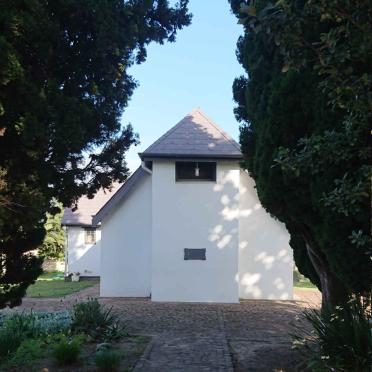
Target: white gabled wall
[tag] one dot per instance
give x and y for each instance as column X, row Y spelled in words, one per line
column 126, row 245
column 81, row 257
column 265, row 257
column 143, row 241
column 195, row 215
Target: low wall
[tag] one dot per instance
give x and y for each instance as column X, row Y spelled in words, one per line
column 53, row 265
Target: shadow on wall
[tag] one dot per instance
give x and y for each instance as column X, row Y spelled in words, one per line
column 265, row 258
column 264, row 269
column 266, row 243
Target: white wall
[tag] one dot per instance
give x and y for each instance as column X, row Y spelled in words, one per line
column 83, row 258
column 265, row 257
column 195, row 215
column 126, row 246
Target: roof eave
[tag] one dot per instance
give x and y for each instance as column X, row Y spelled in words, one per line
column 77, row 224
column 151, row 156
column 123, row 192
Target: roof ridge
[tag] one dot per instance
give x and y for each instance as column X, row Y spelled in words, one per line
column 224, row 134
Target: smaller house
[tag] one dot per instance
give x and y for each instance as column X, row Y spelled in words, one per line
column 83, row 239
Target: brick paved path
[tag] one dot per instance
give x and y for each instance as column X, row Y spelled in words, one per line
column 250, row 336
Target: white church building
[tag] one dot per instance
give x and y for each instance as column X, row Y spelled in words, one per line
column 188, row 225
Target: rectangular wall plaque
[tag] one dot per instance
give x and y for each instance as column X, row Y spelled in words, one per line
column 195, row 254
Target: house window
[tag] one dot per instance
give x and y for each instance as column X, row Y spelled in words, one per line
column 90, row 236
column 194, row 254
column 195, row 171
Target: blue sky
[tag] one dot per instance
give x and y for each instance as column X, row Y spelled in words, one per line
column 196, row 71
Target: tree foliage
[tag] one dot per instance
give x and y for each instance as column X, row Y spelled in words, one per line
column 53, row 245
column 64, row 84
column 306, row 115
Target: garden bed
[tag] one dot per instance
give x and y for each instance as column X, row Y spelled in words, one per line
column 89, row 338
column 39, row 356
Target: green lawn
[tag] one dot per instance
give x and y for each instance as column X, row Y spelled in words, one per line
column 51, row 275
column 299, row 281
column 52, row 284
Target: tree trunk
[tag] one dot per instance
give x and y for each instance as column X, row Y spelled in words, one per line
column 333, row 290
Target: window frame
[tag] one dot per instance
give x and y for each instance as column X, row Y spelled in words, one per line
column 213, row 179
column 88, row 230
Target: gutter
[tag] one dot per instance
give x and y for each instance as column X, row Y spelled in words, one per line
column 65, row 229
column 144, row 167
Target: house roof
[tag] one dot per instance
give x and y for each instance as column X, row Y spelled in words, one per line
column 195, row 136
column 86, row 208
column 120, row 195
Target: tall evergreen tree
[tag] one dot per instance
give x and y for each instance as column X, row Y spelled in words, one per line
column 308, row 160
column 64, row 84
column 53, row 246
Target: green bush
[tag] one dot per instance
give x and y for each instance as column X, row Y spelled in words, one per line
column 14, row 329
column 23, row 323
column 28, row 351
column 53, row 322
column 67, row 351
column 340, row 340
column 9, row 342
column 107, row 361
column 97, row 321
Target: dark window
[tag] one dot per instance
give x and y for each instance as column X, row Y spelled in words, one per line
column 148, row 164
column 90, row 236
column 195, row 171
column 195, row 254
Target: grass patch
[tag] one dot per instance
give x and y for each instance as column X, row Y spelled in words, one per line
column 299, row 281
column 52, row 275
column 57, row 288
column 305, row 285
column 107, row 360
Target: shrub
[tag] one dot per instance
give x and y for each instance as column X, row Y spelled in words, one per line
column 9, row 342
column 22, row 323
column 54, row 322
column 28, row 351
column 67, row 351
column 14, row 329
column 340, row 340
column 19, row 331
column 97, row 321
column 107, row 360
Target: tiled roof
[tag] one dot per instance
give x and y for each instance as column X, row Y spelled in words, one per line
column 194, row 136
column 87, row 208
column 120, row 195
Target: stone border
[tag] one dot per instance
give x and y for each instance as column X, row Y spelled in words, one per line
column 144, row 357
column 226, row 350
